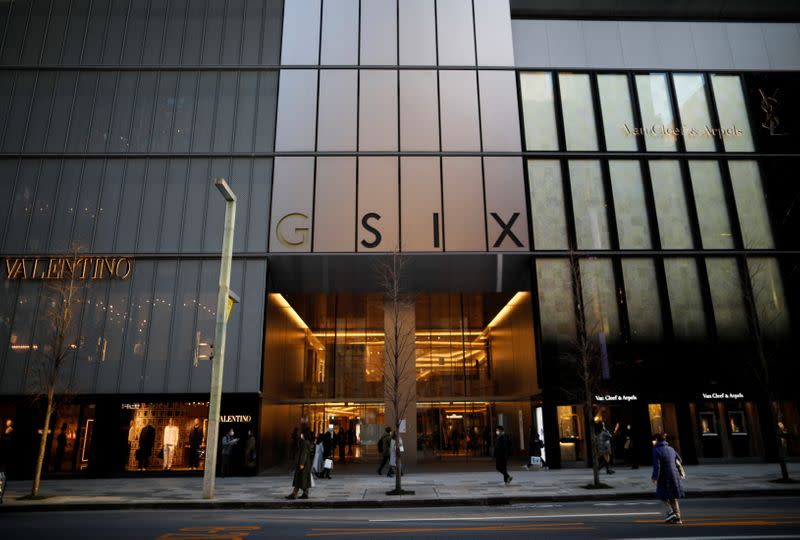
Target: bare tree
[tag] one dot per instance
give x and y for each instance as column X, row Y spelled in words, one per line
column 399, row 371
column 59, row 342
column 768, row 327
column 584, row 357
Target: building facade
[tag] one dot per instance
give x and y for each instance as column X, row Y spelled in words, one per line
column 542, row 173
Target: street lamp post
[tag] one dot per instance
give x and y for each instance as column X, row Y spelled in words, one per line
column 218, row 362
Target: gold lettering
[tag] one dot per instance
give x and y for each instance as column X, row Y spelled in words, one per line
column 86, row 264
column 52, row 269
column 12, row 268
column 126, row 262
column 98, row 269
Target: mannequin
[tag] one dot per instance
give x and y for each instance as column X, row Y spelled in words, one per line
column 170, row 442
column 147, row 439
column 195, row 441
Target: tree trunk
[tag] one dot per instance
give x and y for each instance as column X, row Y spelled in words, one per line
column 37, row 476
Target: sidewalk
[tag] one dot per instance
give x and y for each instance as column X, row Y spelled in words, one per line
column 358, row 490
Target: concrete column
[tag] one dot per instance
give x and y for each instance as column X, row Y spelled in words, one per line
column 406, row 330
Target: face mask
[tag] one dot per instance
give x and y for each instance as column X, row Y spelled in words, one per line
column 497, row 433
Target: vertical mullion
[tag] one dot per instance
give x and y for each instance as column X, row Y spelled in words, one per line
column 525, row 172
column 633, row 92
column 399, row 159
column 316, row 130
column 358, row 123
column 480, row 130
column 443, row 234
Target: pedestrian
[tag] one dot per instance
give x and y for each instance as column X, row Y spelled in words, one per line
column 328, row 442
column 341, row 441
column 195, row 442
column 302, row 469
column 502, row 450
column 385, row 448
column 294, row 444
column 667, row 478
column 250, row 452
column 536, row 450
column 628, row 448
column 228, row 442
column 316, row 464
column 604, row 439
column 395, row 450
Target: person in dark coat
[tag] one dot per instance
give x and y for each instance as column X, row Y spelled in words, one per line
column 341, row 442
column 147, row 440
column 61, row 447
column 667, row 478
column 195, row 442
column 328, row 444
column 385, row 448
column 502, row 449
column 302, row 469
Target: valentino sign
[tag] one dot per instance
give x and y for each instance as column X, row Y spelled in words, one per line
column 56, row 268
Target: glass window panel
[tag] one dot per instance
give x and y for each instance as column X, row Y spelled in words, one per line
column 599, row 299
column 87, row 211
column 39, row 118
column 547, row 204
column 658, row 120
column 589, row 205
column 379, row 33
column 672, row 209
column 539, row 111
column 297, row 102
column 135, row 351
column 152, row 207
column 66, row 208
column 340, row 33
column 73, row 44
column 107, row 213
column 245, row 111
column 751, row 205
column 239, row 180
column 6, row 87
column 142, row 121
column 768, row 297
column 204, row 112
column 94, row 348
column 252, row 334
column 21, row 339
column 62, row 107
column 727, row 298
column 271, row 35
column 174, row 200
column 300, row 33
column 112, row 44
column 35, row 31
column 234, row 22
column 23, row 206
column 180, row 359
column 556, row 302
column 194, row 205
column 212, row 35
column 259, row 205
column 16, row 124
column 225, row 113
column 151, row 52
column 93, row 42
column 121, row 121
column 137, row 19
column 178, row 18
column 455, row 33
column 82, row 112
column 164, row 112
column 8, row 171
column 42, row 214
column 159, row 326
column 117, row 314
column 690, row 92
column 732, row 113
column 378, row 109
column 101, row 116
column 214, row 218
column 615, row 104
column 265, row 123
column 251, row 40
column 184, row 112
column 8, row 301
column 627, row 186
column 499, row 111
column 56, row 30
column 206, row 310
column 17, row 18
column 642, row 299
column 578, row 111
column 712, row 209
column 130, row 205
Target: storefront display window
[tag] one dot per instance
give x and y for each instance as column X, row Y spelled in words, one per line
column 570, row 432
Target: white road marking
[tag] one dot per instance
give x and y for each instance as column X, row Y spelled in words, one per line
column 500, row 518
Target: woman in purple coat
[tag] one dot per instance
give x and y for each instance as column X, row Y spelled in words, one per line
column 666, row 478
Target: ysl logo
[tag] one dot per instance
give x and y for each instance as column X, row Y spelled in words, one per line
column 769, row 105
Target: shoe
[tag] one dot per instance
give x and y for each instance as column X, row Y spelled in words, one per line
column 291, row 497
column 609, row 471
column 303, row 496
column 510, row 478
column 671, row 518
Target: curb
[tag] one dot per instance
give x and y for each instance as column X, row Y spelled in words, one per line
column 399, row 503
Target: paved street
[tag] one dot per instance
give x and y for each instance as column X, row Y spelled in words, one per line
column 738, row 518
column 355, row 485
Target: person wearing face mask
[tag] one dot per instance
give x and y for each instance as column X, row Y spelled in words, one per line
column 302, row 467
column 502, row 449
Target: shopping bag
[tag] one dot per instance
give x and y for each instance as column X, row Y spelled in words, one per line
column 536, row 461
column 328, row 464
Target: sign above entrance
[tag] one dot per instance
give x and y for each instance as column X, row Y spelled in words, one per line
column 71, row 267
column 615, row 397
column 722, row 395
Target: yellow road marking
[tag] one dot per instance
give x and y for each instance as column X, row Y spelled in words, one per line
column 207, row 533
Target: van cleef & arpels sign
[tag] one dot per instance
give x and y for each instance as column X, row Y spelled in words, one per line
column 67, row 267
column 689, row 132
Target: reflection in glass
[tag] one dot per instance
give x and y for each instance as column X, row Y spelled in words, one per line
column 726, row 297
column 615, row 103
column 769, row 297
column 539, row 111
column 629, row 204
column 589, row 205
column 556, row 303
column 732, row 112
column 599, row 300
column 672, row 210
column 690, row 93
column 685, row 302
column 751, row 205
column 578, row 111
column 712, row 208
column 547, row 204
column 658, row 120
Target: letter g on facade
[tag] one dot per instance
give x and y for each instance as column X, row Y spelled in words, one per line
column 299, row 234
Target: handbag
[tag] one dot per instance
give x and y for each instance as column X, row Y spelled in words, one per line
column 328, row 464
column 679, row 467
